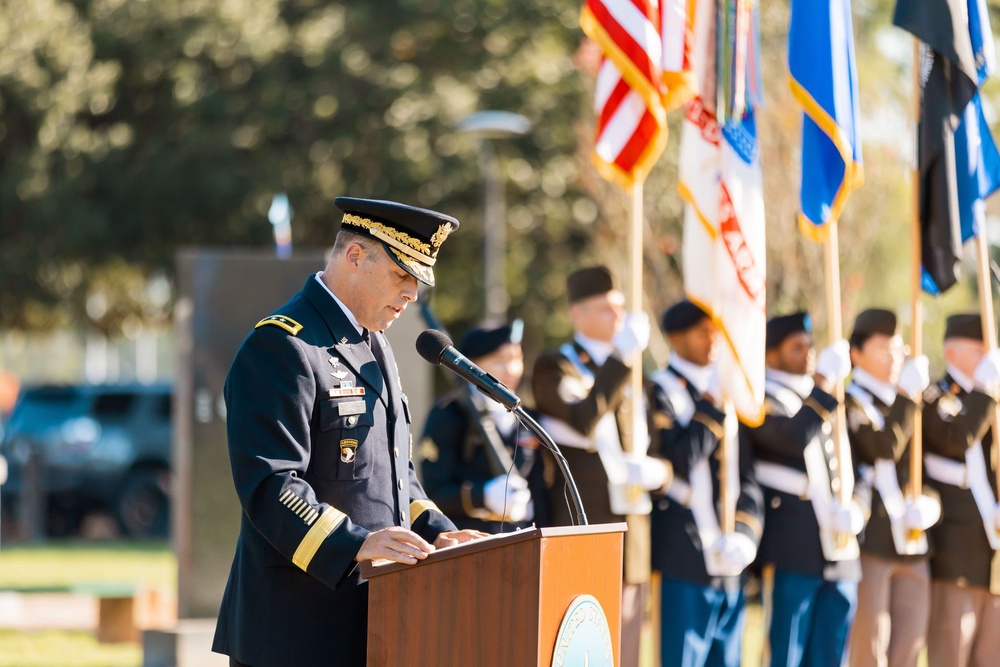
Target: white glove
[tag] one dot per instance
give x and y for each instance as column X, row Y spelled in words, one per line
column 634, row 336
column 915, row 377
column 647, row 472
column 847, row 518
column 987, row 375
column 731, row 554
column 922, row 513
column 834, row 362
column 510, row 493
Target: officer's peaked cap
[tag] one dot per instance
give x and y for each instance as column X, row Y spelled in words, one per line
column 411, row 236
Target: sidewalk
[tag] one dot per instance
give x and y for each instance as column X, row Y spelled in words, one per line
column 47, row 611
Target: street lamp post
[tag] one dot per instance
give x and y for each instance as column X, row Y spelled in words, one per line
column 487, row 126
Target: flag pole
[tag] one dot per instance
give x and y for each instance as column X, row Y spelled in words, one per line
column 989, row 323
column 727, row 503
column 634, row 305
column 916, row 307
column 835, row 320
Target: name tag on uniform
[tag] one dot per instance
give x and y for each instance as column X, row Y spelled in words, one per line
column 341, row 391
column 352, row 408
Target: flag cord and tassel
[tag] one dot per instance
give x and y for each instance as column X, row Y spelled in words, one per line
column 916, row 307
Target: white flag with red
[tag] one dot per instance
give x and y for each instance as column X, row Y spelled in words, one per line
column 723, row 247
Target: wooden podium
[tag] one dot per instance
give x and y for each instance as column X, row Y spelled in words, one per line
column 498, row 601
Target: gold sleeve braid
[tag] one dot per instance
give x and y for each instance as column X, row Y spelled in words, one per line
column 418, row 507
column 310, row 544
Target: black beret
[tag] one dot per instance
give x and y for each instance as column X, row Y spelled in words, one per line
column 871, row 322
column 682, row 316
column 589, row 282
column 412, row 236
column 781, row 327
column 481, row 341
column 964, row 325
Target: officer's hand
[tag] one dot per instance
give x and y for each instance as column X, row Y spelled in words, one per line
column 996, row 518
column 915, row 377
column 396, row 544
column 731, row 554
column 450, row 538
column 922, row 513
column 634, row 336
column 834, row 362
column 987, row 375
column 847, row 518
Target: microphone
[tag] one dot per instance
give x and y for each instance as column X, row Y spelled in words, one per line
column 436, row 348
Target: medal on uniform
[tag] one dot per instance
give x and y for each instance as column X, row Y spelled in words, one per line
column 339, row 374
column 347, row 389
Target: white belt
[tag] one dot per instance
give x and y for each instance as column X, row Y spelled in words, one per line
column 946, row 470
column 680, row 491
column 782, row 478
column 565, row 435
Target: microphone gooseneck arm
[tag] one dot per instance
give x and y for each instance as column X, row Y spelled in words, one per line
column 436, row 348
column 549, row 444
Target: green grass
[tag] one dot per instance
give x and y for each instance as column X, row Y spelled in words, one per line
column 75, row 563
column 62, row 649
column 79, row 562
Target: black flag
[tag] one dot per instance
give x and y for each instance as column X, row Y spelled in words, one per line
column 948, row 80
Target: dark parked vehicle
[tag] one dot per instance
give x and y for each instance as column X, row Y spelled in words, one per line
column 93, row 447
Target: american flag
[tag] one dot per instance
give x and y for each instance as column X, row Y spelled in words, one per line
column 642, row 76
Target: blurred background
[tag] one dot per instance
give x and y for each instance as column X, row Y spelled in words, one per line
column 134, row 130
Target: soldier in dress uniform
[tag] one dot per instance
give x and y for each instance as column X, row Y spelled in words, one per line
column 890, row 627
column 579, row 390
column 809, row 596
column 702, row 570
column 960, row 464
column 464, row 470
column 319, row 441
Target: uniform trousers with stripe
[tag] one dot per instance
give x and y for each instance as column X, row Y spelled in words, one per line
column 808, row 619
column 701, row 626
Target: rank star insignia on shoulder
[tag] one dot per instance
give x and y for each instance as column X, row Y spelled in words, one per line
column 286, row 323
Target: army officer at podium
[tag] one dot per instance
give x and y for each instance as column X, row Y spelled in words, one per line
column 319, row 441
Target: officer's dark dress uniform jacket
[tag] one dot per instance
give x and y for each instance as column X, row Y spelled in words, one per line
column 870, row 443
column 791, row 539
column 677, row 549
column 553, row 373
column 456, row 466
column 954, row 420
column 314, row 474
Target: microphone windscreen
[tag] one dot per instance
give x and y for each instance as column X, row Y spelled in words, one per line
column 431, row 344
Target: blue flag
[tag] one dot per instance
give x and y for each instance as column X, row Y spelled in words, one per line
column 824, row 81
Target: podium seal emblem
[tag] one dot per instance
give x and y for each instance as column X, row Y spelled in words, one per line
column 584, row 638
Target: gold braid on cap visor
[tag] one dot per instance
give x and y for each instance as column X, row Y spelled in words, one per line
column 399, row 240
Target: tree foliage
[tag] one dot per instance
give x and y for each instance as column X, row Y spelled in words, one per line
column 130, row 128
